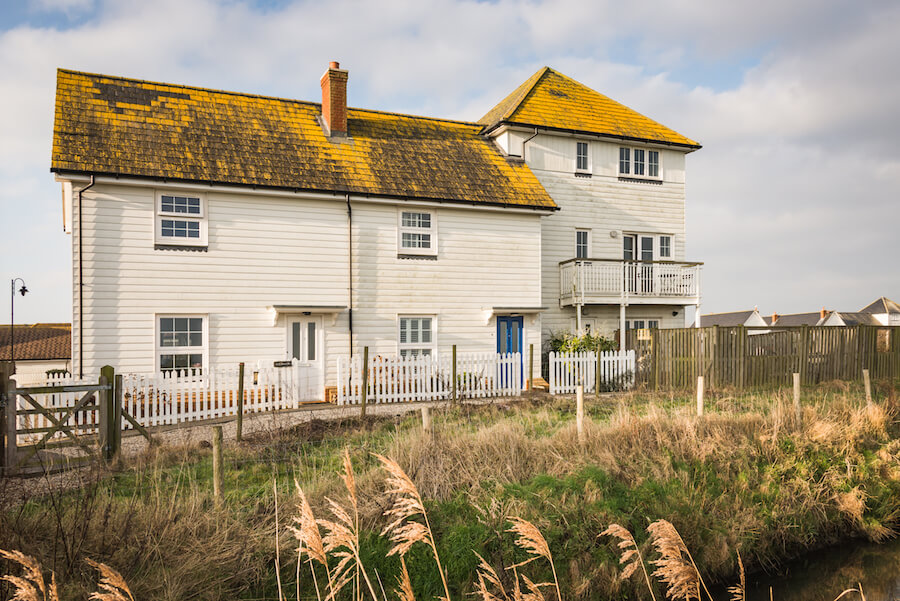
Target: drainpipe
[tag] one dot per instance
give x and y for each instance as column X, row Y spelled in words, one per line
column 527, row 140
column 81, row 284
column 350, row 270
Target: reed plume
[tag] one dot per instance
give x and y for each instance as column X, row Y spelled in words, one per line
column 488, row 576
column 31, row 582
column 631, row 557
column 675, row 566
column 404, row 590
column 112, row 586
column 306, row 531
column 341, row 538
column 403, row 531
column 529, row 538
column 739, row 592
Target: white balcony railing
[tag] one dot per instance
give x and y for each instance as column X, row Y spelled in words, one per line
column 605, row 280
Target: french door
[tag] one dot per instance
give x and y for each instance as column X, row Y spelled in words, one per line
column 638, row 253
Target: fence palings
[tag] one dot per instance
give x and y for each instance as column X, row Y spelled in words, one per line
column 568, row 370
column 759, row 357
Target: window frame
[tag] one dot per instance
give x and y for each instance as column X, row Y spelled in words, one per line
column 181, row 350
column 631, row 163
column 587, row 232
column 432, row 250
column 671, row 247
column 587, row 156
column 431, row 346
column 202, row 219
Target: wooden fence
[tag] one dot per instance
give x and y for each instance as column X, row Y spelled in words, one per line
column 614, row 372
column 397, row 379
column 763, row 356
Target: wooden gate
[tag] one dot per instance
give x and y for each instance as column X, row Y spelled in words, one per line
column 50, row 428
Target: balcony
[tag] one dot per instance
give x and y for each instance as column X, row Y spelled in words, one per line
column 610, row 281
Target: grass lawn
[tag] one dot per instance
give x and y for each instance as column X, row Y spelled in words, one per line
column 748, row 477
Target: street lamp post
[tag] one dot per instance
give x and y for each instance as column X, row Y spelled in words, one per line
column 12, row 318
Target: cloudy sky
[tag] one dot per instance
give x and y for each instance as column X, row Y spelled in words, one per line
column 792, row 202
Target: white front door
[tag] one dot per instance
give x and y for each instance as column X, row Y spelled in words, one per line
column 306, row 352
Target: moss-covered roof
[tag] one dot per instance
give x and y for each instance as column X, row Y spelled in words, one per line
column 552, row 100
column 113, row 125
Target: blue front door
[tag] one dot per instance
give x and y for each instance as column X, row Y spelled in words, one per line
column 509, row 337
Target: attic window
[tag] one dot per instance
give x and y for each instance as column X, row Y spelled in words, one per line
column 582, row 156
column 639, row 163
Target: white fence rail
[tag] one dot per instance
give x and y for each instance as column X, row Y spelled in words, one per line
column 171, row 398
column 396, row 379
column 568, row 370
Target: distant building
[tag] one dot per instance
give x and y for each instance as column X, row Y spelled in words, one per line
column 885, row 310
column 847, row 318
column 798, row 319
column 39, row 348
column 750, row 318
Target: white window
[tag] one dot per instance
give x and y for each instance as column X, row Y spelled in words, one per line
column 665, row 247
column 641, row 324
column 582, row 244
column 624, row 161
column 653, row 163
column 181, row 219
column 417, row 233
column 582, row 156
column 639, row 162
column 416, row 336
column 181, row 343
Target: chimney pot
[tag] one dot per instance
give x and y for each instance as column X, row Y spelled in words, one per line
column 774, row 317
column 822, row 313
column 334, row 99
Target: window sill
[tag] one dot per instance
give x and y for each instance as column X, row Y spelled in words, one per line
column 583, row 174
column 420, row 257
column 203, row 248
column 640, row 180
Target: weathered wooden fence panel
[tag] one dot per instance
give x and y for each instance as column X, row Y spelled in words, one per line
column 764, row 357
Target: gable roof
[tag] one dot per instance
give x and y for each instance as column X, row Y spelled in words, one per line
column 552, row 100
column 733, row 318
column 126, row 127
column 857, row 318
column 37, row 341
column 882, row 305
column 797, row 319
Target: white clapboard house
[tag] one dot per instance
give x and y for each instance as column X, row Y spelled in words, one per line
column 212, row 227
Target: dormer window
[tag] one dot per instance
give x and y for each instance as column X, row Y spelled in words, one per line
column 582, row 156
column 640, row 163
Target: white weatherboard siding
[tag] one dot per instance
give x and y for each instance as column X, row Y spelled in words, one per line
column 263, row 251
column 603, row 204
column 267, row 250
column 485, row 259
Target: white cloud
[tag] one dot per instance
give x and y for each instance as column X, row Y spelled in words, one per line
column 790, row 202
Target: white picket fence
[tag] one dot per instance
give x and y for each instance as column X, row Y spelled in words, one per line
column 568, row 370
column 171, row 398
column 396, row 379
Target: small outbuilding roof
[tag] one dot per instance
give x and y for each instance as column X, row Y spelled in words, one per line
column 36, row 342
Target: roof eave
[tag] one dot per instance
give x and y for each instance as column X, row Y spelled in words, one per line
column 298, row 189
column 487, row 130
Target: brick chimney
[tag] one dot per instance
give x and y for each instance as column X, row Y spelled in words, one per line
column 823, row 313
column 334, row 99
column 774, row 318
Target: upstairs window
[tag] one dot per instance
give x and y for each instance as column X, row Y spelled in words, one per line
column 639, row 163
column 181, row 344
column 416, row 336
column 417, row 233
column 582, row 156
column 624, row 161
column 180, row 220
column 665, row 247
column 582, row 244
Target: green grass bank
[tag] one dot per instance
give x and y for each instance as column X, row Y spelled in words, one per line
column 749, row 477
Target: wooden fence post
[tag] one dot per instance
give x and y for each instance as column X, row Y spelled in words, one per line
column 804, row 354
column 426, row 419
column 218, row 475
column 365, row 383
column 239, row 429
column 7, row 419
column 531, row 368
column 107, row 412
column 797, row 411
column 118, row 392
column 453, row 383
column 579, row 412
column 867, row 382
column 654, row 356
column 742, row 356
column 699, row 396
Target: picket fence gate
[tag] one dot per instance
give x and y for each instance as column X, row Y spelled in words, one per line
column 568, row 370
column 398, row 379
